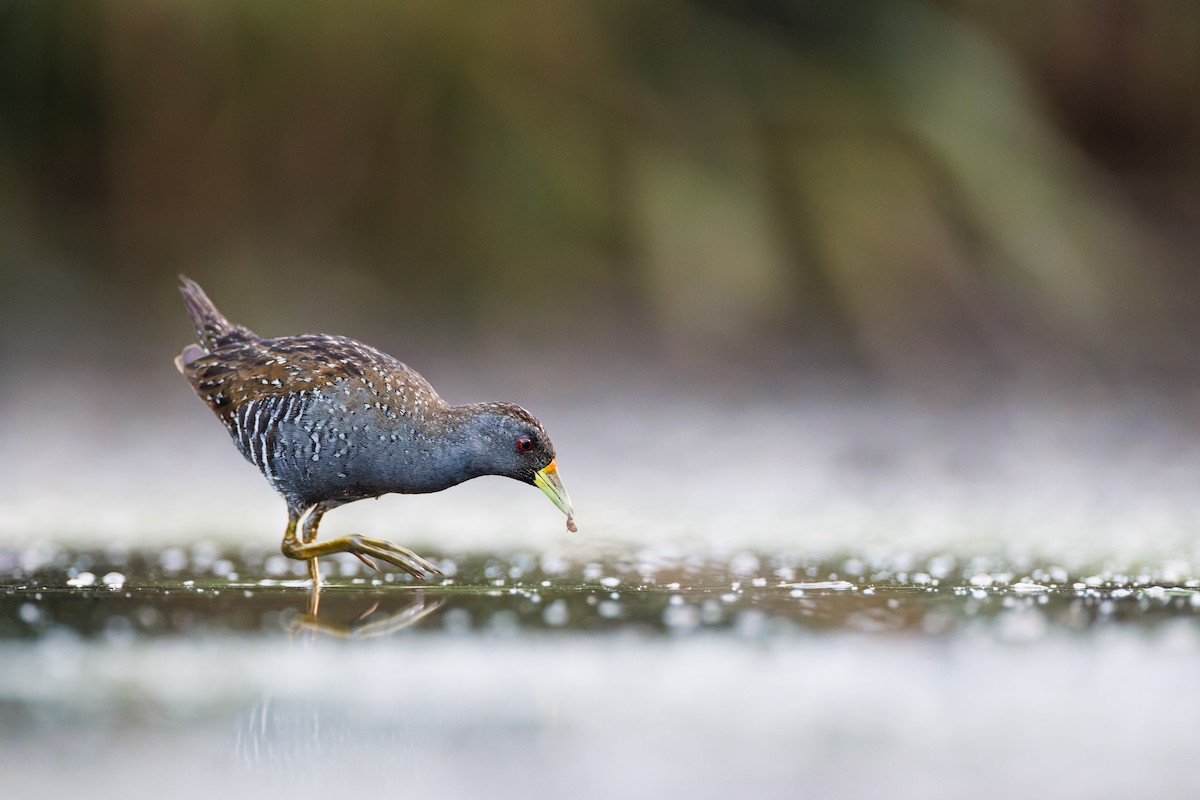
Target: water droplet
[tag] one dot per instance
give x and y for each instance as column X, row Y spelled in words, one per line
column 744, row 564
column 681, row 617
column 609, row 609
column 836, row 586
column 82, row 579
column 556, row 614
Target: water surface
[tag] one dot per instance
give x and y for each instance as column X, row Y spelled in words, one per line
column 188, row 671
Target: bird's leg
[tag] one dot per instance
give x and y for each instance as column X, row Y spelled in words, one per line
column 289, row 536
column 314, row 599
column 290, row 543
column 310, row 533
column 362, row 547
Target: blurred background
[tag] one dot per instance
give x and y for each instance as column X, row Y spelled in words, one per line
column 608, row 210
column 891, row 181
column 865, row 331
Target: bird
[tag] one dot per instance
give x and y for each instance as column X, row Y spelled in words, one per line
column 329, row 420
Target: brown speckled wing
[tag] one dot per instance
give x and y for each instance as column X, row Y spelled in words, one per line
column 238, row 373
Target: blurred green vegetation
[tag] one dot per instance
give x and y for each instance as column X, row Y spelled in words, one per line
column 957, row 180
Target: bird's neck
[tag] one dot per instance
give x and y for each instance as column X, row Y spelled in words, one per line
column 448, row 450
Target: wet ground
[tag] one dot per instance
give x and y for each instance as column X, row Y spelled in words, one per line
column 186, row 672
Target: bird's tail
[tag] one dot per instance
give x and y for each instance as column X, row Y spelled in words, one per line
column 212, row 329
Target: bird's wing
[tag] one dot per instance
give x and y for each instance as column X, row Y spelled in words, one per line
column 237, row 373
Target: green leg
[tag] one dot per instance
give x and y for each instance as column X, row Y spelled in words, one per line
column 289, row 544
column 360, row 546
column 310, row 533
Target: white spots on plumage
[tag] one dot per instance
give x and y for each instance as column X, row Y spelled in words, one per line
column 251, row 424
column 266, row 422
column 235, row 427
column 324, row 408
column 279, row 409
column 251, row 410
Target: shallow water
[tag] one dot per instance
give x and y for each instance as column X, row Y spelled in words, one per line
column 206, row 592
column 184, row 672
column 859, row 598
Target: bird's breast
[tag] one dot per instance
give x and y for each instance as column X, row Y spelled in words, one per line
column 349, row 443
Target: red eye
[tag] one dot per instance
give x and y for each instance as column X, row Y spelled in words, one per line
column 524, row 444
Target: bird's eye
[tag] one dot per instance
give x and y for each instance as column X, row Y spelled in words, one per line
column 524, row 444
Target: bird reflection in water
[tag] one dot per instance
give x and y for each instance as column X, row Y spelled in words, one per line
column 371, row 622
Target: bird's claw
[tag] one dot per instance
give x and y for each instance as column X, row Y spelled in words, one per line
column 392, row 553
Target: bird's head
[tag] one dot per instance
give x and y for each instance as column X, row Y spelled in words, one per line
column 509, row 441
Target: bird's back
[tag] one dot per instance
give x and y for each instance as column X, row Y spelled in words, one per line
column 260, row 369
column 315, row 413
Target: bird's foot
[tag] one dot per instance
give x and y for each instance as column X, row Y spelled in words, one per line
column 367, row 549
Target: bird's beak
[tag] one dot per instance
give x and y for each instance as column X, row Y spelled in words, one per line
column 548, row 481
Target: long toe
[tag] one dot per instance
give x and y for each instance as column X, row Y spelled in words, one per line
column 367, row 561
column 394, row 554
column 423, row 563
column 412, row 557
